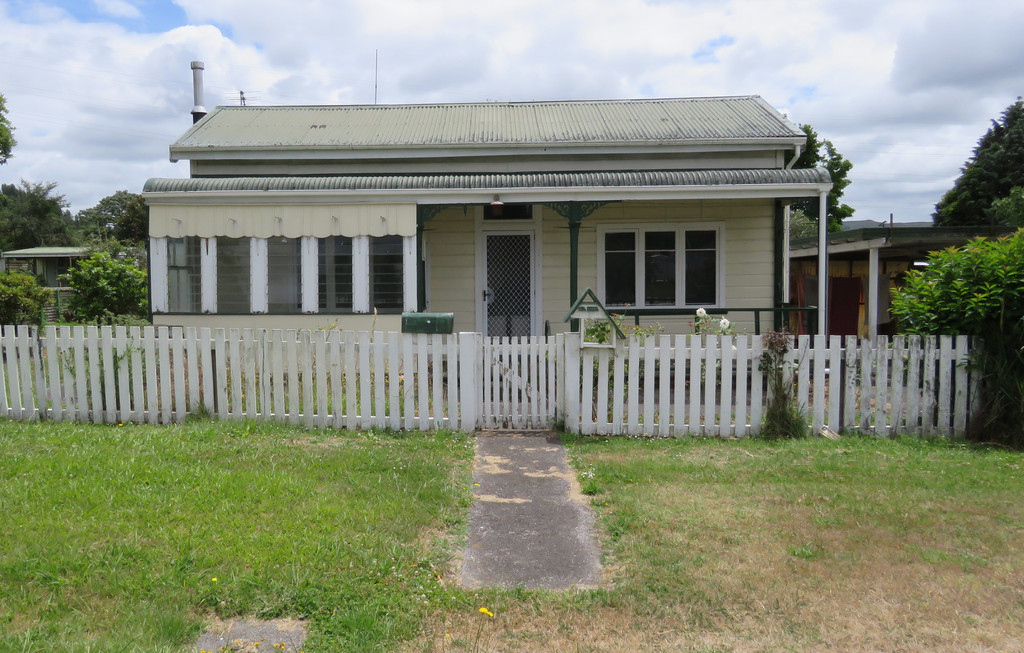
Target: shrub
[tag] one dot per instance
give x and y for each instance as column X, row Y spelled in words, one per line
column 22, row 299
column 106, row 286
column 977, row 290
column 783, row 417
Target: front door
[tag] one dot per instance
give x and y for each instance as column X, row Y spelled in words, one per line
column 508, row 284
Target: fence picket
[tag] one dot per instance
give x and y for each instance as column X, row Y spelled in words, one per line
column 896, row 384
column 334, row 374
column 929, row 386
column 250, row 361
column 54, row 394
column 945, row 402
column 695, row 378
column 742, row 379
column 293, row 358
column 422, row 375
column 914, row 385
column 756, row 384
column 710, row 384
column 14, row 374
column 619, row 388
column 452, row 374
column 436, row 413
column 960, row 360
column 725, row 407
column 25, row 369
column 191, row 362
column 178, row 374
column 40, row 402
column 602, row 426
column 307, row 398
column 881, row 385
column 633, row 388
column 819, row 356
column 352, row 387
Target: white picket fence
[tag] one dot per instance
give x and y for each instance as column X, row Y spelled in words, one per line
column 711, row 385
column 354, row 380
column 663, row 386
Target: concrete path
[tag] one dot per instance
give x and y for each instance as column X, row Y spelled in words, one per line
column 529, row 525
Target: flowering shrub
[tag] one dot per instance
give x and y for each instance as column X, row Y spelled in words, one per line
column 703, row 324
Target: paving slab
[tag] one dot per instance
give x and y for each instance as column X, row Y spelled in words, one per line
column 253, row 636
column 529, row 525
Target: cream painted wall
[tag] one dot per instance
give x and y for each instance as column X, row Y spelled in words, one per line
column 748, row 253
column 348, row 322
column 451, row 250
column 450, row 243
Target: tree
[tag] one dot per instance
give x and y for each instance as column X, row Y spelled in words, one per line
column 105, row 287
column 801, row 226
column 823, row 153
column 31, row 216
column 977, row 290
column 996, row 167
column 1009, row 210
column 22, row 299
column 123, row 216
column 7, row 141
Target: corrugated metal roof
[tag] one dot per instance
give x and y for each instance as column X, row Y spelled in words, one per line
column 620, row 179
column 515, row 123
column 45, row 252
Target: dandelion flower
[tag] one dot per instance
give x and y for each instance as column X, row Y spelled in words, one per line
column 487, row 612
column 214, row 579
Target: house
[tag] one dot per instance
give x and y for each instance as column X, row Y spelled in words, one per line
column 45, row 263
column 500, row 213
column 866, row 261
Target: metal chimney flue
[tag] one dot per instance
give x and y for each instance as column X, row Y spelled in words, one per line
column 199, row 110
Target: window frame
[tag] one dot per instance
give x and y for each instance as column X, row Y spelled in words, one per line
column 192, row 270
column 680, row 229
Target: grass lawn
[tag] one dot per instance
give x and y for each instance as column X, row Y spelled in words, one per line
column 112, row 537
column 128, row 538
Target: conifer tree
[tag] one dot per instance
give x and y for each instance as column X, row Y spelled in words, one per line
column 995, row 168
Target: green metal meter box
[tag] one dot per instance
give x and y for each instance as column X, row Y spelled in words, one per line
column 428, row 322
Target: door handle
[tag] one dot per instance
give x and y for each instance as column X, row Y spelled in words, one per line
column 487, row 294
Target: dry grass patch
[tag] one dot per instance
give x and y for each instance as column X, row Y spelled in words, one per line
column 851, row 545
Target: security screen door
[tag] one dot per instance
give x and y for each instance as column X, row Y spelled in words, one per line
column 508, row 293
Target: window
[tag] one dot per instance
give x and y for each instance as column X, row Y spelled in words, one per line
column 183, row 280
column 284, row 275
column 334, row 276
column 233, row 285
column 386, row 277
column 654, row 267
column 701, row 271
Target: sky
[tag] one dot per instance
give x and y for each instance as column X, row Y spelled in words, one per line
column 98, row 89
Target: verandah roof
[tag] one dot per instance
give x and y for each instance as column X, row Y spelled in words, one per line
column 810, row 177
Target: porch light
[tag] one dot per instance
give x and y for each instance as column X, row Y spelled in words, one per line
column 497, row 201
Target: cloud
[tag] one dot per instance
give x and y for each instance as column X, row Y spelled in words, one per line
column 904, row 88
column 117, row 8
column 963, row 48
